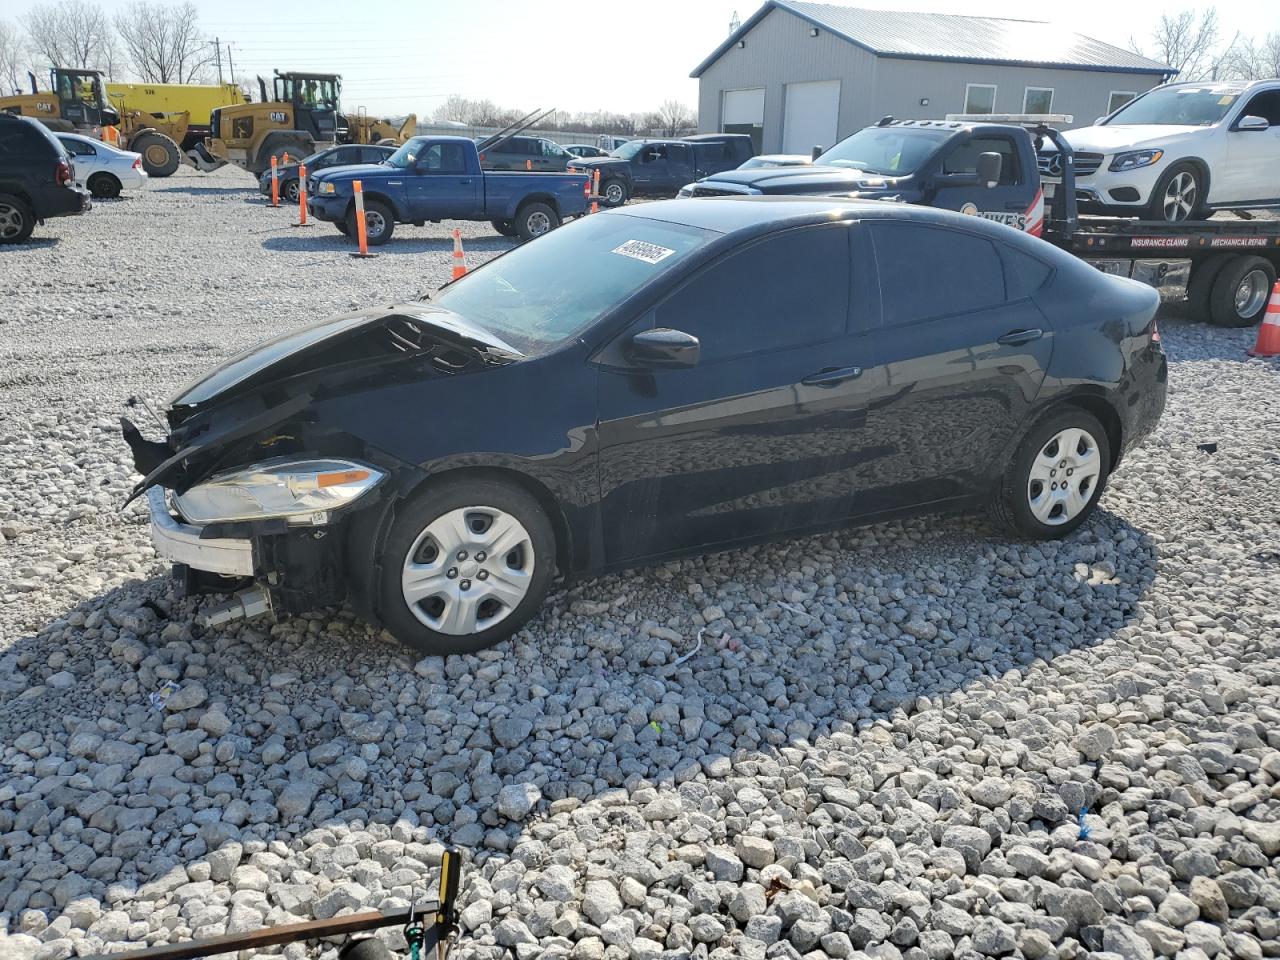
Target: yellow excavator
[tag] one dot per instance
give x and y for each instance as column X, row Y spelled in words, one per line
column 298, row 115
column 76, row 102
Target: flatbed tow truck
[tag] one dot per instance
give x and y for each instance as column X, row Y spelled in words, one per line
column 1226, row 268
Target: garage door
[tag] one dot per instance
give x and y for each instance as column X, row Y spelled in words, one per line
column 811, row 115
column 744, row 113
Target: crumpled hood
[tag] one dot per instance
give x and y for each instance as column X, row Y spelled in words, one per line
column 592, row 162
column 354, row 171
column 808, row 179
column 1116, row 138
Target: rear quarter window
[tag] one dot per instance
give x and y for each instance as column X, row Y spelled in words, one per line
column 1023, row 273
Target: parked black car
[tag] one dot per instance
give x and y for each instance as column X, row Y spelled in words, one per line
column 37, row 179
column 585, row 150
column 526, row 153
column 690, row 376
column 659, row 168
column 346, row 154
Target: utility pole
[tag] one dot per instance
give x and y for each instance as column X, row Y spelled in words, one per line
column 217, row 46
column 231, row 63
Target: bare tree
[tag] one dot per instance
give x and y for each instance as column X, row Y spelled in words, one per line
column 164, row 43
column 673, row 118
column 455, row 108
column 1191, row 44
column 1255, row 59
column 72, row 33
column 14, row 58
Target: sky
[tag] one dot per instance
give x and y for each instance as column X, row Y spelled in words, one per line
column 401, row 56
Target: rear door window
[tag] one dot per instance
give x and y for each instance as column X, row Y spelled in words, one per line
column 928, row 272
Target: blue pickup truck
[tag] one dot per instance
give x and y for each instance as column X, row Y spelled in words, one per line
column 439, row 178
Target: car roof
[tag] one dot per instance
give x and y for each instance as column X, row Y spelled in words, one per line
column 699, row 137
column 754, row 213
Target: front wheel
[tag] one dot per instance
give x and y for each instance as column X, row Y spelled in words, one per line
column 290, row 189
column 535, row 219
column 104, row 186
column 467, row 563
column 1056, row 476
column 160, row 155
column 504, row 227
column 16, row 219
column 1241, row 291
column 614, row 192
column 1179, row 195
column 379, row 222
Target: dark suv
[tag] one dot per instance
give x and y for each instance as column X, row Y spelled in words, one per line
column 37, row 180
column 659, row 168
column 526, row 153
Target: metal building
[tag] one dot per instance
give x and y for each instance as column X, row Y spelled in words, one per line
column 796, row 74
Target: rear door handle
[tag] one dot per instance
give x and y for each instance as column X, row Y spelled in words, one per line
column 830, row 376
column 1015, row 337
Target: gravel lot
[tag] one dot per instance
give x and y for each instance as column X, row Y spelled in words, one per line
column 918, row 740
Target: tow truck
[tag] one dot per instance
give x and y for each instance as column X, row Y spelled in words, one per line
column 989, row 165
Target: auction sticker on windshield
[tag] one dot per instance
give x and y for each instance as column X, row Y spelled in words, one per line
column 639, row 250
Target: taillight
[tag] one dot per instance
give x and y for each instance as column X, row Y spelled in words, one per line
column 137, row 163
column 586, row 187
column 62, row 173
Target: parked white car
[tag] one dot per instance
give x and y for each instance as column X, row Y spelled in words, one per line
column 1179, row 152
column 102, row 169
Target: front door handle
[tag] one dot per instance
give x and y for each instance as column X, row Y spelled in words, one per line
column 830, row 376
column 1015, row 337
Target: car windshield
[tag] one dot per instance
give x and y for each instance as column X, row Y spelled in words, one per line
column 404, row 157
column 551, row 290
column 889, row 151
column 628, row 150
column 1193, row 106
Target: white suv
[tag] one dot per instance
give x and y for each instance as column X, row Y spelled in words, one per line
column 1179, row 152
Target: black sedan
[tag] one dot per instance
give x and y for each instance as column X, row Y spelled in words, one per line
column 340, row 156
column 689, row 376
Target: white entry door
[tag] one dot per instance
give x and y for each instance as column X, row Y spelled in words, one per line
column 811, row 116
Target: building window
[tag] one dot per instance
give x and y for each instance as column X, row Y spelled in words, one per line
column 979, row 98
column 1037, row 100
column 1118, row 99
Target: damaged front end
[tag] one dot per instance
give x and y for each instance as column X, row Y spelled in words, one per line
column 252, row 491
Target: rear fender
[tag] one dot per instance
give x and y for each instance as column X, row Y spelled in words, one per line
column 539, row 197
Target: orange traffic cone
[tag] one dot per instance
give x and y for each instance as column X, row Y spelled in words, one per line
column 459, row 258
column 1268, row 344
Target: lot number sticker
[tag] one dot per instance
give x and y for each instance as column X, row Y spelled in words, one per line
column 639, row 250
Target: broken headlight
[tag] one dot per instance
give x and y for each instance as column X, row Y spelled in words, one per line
column 301, row 491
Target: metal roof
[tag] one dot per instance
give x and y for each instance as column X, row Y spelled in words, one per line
column 949, row 37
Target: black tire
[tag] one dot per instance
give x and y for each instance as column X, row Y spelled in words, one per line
column 103, row 186
column 613, row 192
column 1012, row 505
column 1158, row 207
column 379, row 222
column 1201, row 285
column 504, row 227
column 534, row 219
column 412, row 520
column 1241, row 291
column 289, row 190
column 16, row 219
column 160, row 155
column 294, row 150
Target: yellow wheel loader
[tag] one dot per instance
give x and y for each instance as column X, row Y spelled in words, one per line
column 76, row 102
column 298, row 116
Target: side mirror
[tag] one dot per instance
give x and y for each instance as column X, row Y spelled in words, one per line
column 989, row 165
column 817, row 152
column 663, row 347
column 1252, row 123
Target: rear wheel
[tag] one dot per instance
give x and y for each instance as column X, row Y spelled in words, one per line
column 1056, row 476
column 1201, row 285
column 467, row 563
column 160, row 155
column 1241, row 292
column 289, row 189
column 16, row 219
column 535, row 219
column 379, row 223
column 104, row 185
column 504, row 227
column 614, row 192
